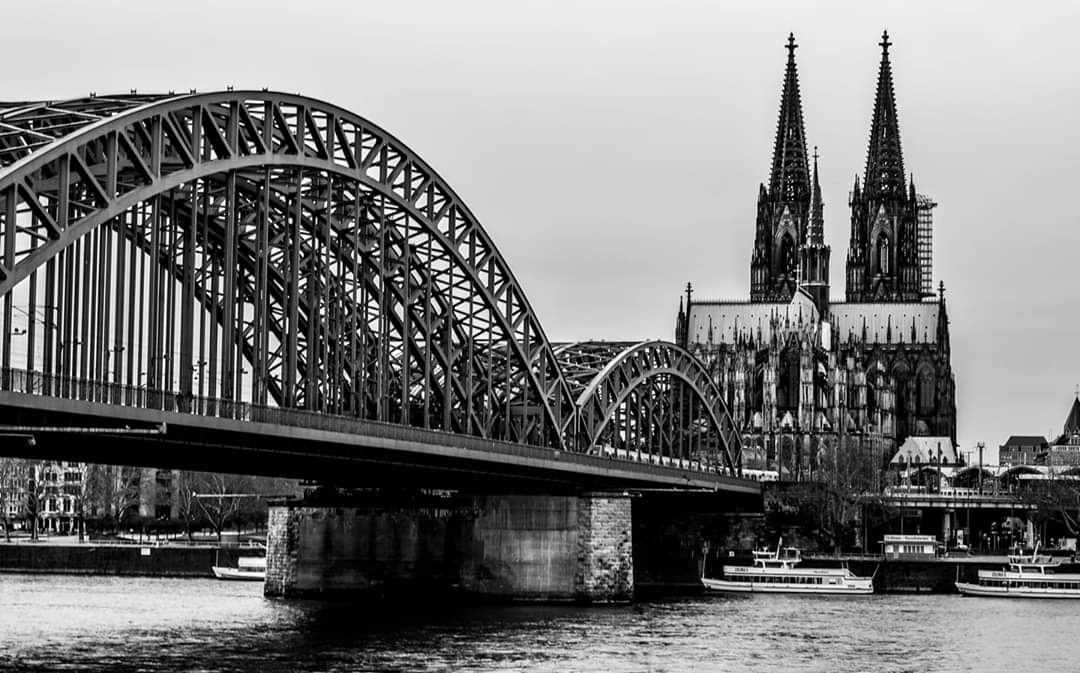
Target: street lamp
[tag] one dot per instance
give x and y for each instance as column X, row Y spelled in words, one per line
column 981, row 446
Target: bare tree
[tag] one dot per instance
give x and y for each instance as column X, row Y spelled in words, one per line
column 13, row 483
column 224, row 499
column 1056, row 499
column 844, row 491
column 219, row 496
column 187, row 505
column 107, row 492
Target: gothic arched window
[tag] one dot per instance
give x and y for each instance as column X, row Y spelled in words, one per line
column 926, row 392
column 788, row 381
column 786, row 261
column 901, row 376
column 883, row 254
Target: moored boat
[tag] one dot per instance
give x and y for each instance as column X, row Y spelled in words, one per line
column 1024, row 577
column 248, row 568
column 776, row 572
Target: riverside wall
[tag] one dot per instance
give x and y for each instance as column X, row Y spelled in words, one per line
column 115, row 559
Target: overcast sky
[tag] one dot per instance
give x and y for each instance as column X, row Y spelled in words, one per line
column 613, row 150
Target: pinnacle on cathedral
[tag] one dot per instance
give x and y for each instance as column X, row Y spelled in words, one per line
column 816, row 233
column 814, row 254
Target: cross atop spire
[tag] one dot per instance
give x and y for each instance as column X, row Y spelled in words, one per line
column 884, row 158
column 1072, row 421
column 789, row 179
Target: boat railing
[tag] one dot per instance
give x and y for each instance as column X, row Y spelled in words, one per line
column 1041, row 561
column 786, row 555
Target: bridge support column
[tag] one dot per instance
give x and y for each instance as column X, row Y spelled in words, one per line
column 605, row 562
column 512, row 547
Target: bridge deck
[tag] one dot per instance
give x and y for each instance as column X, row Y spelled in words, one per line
column 322, row 446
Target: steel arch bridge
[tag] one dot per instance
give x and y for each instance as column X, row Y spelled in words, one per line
column 249, row 254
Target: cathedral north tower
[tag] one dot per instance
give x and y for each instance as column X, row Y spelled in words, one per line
column 785, row 227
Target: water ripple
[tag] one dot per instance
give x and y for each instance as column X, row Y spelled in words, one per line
column 131, row 624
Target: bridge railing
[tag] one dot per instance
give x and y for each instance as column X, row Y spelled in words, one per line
column 73, row 388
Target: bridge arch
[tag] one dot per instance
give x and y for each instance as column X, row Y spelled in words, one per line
column 266, row 248
column 651, row 399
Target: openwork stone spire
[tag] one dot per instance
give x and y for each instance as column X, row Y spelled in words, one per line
column 884, row 159
column 814, row 255
column 790, row 176
column 815, row 233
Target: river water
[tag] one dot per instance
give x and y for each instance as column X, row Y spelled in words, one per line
column 62, row 622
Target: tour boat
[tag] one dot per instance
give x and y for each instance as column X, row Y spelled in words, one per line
column 249, row 568
column 775, row 572
column 1024, row 577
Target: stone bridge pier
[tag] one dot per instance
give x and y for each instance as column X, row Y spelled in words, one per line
column 542, row 547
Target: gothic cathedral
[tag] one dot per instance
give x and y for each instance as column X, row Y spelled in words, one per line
column 801, row 372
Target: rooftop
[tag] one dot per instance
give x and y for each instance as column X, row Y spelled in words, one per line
column 1024, row 440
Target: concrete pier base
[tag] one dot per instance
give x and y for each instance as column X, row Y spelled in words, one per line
column 512, row 547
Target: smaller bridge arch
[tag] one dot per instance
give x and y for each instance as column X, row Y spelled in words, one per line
column 650, row 400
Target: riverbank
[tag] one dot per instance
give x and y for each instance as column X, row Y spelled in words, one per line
column 895, row 576
column 935, row 575
column 94, row 558
column 195, row 560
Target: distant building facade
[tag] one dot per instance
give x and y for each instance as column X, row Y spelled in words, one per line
column 156, row 489
column 1023, row 450
column 1065, row 450
column 58, row 494
column 801, row 372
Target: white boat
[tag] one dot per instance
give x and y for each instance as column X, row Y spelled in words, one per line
column 1024, row 577
column 775, row 572
column 248, row 568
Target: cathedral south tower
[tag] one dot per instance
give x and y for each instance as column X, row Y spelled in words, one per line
column 883, row 255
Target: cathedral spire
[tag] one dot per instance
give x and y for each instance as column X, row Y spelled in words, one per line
column 883, row 255
column 815, row 233
column 814, row 255
column 790, row 176
column 884, row 159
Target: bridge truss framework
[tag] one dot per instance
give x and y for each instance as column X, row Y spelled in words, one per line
column 222, row 252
